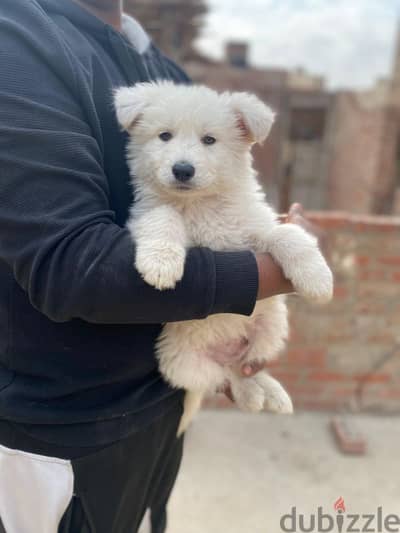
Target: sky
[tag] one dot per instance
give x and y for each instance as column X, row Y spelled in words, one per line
column 349, row 42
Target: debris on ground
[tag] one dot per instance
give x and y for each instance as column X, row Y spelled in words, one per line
column 348, row 439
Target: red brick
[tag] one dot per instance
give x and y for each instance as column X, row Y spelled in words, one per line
column 370, row 291
column 306, row 356
column 296, row 335
column 218, row 401
column 381, row 337
column 372, row 308
column 342, row 391
column 359, row 221
column 391, row 261
column 321, row 404
column 372, row 378
column 306, row 388
column 326, row 376
column 362, row 260
column 372, row 275
column 285, row 377
column 390, row 393
column 335, row 220
column 340, row 292
column 276, row 363
column 347, row 440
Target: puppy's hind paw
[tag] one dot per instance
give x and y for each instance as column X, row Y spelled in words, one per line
column 248, row 395
column 278, row 402
column 161, row 268
column 276, row 399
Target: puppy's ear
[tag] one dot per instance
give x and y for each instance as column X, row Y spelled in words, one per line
column 129, row 103
column 254, row 118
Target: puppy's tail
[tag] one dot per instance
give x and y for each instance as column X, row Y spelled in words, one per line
column 191, row 404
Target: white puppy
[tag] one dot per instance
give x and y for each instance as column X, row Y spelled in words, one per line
column 190, row 158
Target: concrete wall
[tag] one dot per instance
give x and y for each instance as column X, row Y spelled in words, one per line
column 346, row 356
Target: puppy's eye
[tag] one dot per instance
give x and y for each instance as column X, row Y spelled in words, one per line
column 165, row 136
column 207, row 139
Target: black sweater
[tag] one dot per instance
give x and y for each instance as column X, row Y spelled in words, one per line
column 77, row 322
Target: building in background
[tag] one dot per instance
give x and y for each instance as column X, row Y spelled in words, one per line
column 328, row 150
column 173, row 24
column 364, row 147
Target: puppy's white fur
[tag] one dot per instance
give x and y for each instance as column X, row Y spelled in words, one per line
column 222, row 208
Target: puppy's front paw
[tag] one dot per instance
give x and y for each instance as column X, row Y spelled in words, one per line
column 314, row 279
column 302, row 262
column 161, row 266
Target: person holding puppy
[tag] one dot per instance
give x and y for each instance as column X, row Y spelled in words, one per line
column 87, row 424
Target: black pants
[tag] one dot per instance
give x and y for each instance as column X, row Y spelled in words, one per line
column 115, row 486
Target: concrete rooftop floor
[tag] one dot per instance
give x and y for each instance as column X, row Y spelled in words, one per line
column 242, row 472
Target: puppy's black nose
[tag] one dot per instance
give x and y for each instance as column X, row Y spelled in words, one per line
column 183, row 171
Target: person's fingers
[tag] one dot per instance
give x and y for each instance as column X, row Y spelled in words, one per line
column 296, row 209
column 297, row 216
column 252, row 368
column 298, row 219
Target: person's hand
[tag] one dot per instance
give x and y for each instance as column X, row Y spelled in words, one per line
column 271, row 279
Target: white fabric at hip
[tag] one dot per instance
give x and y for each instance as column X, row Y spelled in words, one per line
column 34, row 491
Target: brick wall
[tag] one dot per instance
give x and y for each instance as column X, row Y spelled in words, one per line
column 346, row 356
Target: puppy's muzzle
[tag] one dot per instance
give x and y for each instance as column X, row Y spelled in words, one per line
column 183, row 171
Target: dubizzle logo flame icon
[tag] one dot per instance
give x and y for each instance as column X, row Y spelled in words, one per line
column 340, row 506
